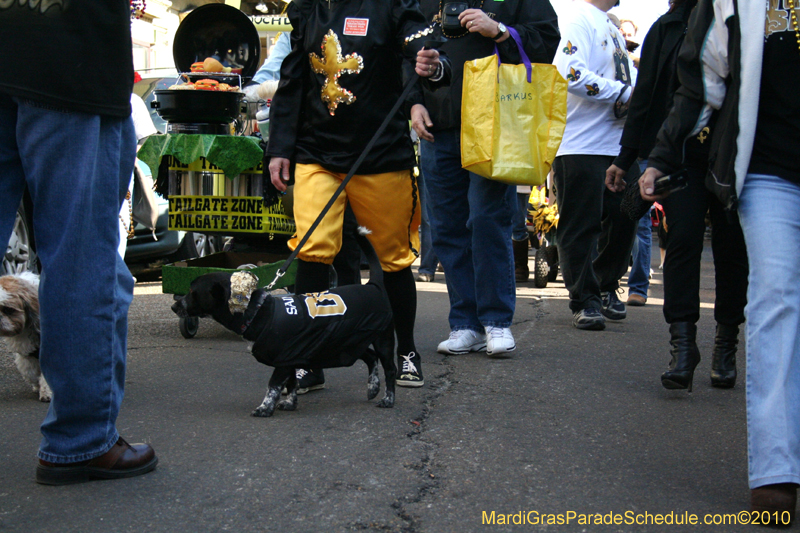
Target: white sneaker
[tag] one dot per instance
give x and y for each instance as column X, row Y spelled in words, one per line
column 463, row 341
column 499, row 342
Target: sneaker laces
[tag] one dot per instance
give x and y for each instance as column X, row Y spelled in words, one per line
column 495, row 332
column 300, row 373
column 611, row 296
column 408, row 366
column 454, row 335
column 459, row 333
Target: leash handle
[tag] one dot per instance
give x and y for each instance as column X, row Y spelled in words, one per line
column 406, row 90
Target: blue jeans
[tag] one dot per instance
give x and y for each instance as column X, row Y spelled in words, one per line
column 471, row 220
column 639, row 278
column 768, row 215
column 519, row 232
column 77, row 168
column 427, row 256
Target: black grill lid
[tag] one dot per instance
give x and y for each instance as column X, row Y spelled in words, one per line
column 219, row 31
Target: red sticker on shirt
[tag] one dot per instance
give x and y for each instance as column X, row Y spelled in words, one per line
column 357, row 27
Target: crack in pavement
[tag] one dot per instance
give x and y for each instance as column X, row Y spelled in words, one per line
column 429, row 483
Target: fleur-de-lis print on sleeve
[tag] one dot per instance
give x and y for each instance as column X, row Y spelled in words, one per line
column 574, row 75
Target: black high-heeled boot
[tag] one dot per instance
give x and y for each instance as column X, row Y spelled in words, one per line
column 685, row 356
column 723, row 359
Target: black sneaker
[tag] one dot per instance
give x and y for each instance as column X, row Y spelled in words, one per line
column 409, row 370
column 309, row 380
column 613, row 308
column 589, row 318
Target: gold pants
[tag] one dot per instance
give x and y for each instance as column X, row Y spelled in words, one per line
column 387, row 204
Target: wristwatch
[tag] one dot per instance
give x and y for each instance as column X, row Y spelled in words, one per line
column 501, row 30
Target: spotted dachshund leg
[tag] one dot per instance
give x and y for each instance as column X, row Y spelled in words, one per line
column 373, row 381
column 384, row 346
column 290, row 403
column 279, row 377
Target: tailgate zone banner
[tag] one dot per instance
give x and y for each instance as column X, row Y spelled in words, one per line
column 223, row 214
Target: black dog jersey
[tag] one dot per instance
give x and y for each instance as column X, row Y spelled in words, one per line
column 322, row 329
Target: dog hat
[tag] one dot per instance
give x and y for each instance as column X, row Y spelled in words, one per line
column 243, row 284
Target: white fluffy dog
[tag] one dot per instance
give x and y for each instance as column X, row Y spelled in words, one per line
column 19, row 324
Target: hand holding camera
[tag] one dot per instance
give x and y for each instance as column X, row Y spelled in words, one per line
column 654, row 185
column 458, row 17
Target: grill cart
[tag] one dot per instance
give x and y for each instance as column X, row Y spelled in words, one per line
column 213, row 179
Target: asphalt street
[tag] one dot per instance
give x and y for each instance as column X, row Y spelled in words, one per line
column 576, row 422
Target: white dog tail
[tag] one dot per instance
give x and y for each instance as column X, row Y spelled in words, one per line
column 375, row 269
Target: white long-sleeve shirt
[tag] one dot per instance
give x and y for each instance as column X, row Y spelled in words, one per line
column 592, row 58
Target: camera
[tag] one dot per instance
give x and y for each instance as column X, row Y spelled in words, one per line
column 451, row 26
column 671, row 183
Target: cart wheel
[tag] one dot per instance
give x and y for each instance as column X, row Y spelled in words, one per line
column 552, row 262
column 188, row 326
column 541, row 268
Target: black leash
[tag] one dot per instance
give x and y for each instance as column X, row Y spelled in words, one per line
column 406, row 90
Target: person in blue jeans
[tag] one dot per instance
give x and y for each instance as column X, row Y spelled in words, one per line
column 519, row 235
column 748, row 73
column 639, row 277
column 471, row 216
column 428, row 261
column 66, row 134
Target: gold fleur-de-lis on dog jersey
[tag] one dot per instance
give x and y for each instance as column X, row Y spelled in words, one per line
column 333, row 65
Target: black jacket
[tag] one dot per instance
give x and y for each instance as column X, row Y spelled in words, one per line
column 655, row 85
column 705, row 92
column 306, row 129
column 537, row 25
column 72, row 55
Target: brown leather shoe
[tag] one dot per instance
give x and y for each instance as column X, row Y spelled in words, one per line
column 122, row 460
column 636, row 300
column 775, row 504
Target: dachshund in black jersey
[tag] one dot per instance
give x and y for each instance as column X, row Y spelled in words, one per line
column 329, row 329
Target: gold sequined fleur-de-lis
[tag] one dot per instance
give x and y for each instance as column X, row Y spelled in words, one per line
column 333, row 65
column 703, row 135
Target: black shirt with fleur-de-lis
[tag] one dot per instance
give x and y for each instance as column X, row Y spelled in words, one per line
column 339, row 82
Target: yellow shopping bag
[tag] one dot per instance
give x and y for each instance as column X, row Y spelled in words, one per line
column 512, row 118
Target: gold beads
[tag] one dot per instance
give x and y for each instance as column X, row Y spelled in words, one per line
column 128, row 227
column 793, row 16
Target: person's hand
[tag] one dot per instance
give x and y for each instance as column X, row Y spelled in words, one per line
column 615, row 179
column 427, row 62
column 477, row 21
column 647, row 183
column 279, row 172
column 421, row 121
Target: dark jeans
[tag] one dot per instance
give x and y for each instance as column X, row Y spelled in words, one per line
column 590, row 220
column 471, row 221
column 77, row 168
column 685, row 217
column 428, row 261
